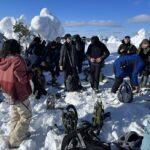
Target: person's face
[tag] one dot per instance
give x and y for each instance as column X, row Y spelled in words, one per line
column 126, row 40
column 145, row 45
column 58, row 40
column 68, row 40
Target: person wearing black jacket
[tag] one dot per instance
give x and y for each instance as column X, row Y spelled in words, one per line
column 59, row 45
column 68, row 59
column 126, row 48
column 97, row 52
column 52, row 59
column 144, row 52
column 80, row 47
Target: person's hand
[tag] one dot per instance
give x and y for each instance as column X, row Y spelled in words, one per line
column 122, row 50
column 61, row 68
column 92, row 60
column 98, row 60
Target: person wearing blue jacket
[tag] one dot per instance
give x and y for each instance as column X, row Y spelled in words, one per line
column 127, row 66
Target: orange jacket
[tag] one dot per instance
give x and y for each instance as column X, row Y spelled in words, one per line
column 14, row 78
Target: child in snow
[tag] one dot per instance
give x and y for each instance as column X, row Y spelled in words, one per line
column 14, row 81
column 144, row 52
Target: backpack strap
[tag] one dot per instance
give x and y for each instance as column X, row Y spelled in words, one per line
column 81, row 140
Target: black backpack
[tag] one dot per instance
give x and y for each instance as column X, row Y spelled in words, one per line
column 72, row 83
column 83, row 138
column 125, row 94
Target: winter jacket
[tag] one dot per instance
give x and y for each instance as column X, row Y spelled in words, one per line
column 97, row 51
column 68, row 48
column 80, row 47
column 129, row 66
column 53, row 54
column 128, row 49
column 14, row 78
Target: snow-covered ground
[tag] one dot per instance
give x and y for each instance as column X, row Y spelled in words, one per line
column 124, row 117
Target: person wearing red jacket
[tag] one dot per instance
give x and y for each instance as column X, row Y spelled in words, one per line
column 14, row 81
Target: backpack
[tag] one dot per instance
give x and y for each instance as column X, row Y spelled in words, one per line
column 70, row 118
column 131, row 141
column 83, row 138
column 98, row 117
column 125, row 94
column 72, row 83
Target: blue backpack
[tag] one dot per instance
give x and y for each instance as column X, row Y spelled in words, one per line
column 125, row 94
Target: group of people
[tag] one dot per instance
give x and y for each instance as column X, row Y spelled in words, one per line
column 131, row 63
column 16, row 71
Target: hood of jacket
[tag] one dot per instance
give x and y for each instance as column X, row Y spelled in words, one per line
column 6, row 62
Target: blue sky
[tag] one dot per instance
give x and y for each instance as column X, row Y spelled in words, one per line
column 87, row 17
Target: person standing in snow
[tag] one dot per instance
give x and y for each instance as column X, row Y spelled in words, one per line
column 68, row 59
column 80, row 47
column 52, row 59
column 59, row 45
column 144, row 52
column 14, row 81
column 126, row 48
column 97, row 52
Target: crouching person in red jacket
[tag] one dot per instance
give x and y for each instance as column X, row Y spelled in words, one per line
column 14, row 81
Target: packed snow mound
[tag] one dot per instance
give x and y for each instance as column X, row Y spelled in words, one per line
column 6, row 27
column 112, row 39
column 47, row 25
column 137, row 39
column 113, row 43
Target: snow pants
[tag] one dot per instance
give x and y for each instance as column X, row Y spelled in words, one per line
column 20, row 119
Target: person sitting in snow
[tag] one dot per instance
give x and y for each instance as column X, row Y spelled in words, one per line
column 144, row 52
column 14, row 81
column 127, row 66
column 126, row 48
column 97, row 52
